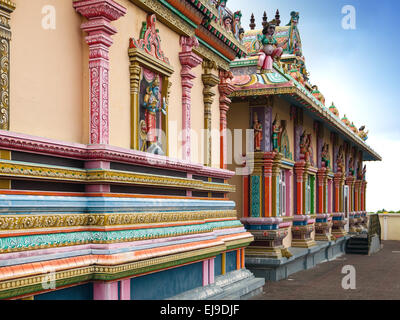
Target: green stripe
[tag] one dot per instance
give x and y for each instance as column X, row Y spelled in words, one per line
column 178, row 13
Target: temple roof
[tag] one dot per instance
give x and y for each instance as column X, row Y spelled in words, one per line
column 290, row 80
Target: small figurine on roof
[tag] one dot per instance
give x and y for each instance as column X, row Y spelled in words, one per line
column 221, row 7
column 334, row 110
column 271, row 50
column 318, row 95
column 362, row 134
column 228, row 23
column 236, row 26
column 294, row 18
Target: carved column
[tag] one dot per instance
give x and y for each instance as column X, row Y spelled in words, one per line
column 189, row 60
column 210, row 81
column 338, row 216
column 99, row 13
column 6, row 8
column 225, row 89
column 323, row 224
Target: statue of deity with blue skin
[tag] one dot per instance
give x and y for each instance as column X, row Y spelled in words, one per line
column 152, row 107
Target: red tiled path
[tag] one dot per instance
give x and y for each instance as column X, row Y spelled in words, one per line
column 377, row 277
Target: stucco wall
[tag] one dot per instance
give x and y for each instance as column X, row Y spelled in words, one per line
column 46, row 80
column 390, row 226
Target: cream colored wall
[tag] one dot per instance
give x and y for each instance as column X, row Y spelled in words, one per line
column 46, row 72
column 130, row 26
column 391, row 229
column 238, row 118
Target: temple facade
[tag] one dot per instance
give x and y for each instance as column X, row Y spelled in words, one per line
column 305, row 190
column 106, row 191
column 120, row 178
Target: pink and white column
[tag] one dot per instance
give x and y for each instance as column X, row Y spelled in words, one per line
column 189, row 60
column 99, row 13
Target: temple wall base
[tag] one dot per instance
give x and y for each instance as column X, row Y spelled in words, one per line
column 302, row 259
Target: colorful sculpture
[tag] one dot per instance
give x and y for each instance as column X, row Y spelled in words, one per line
column 334, row 110
column 351, row 166
column 325, row 157
column 340, row 161
column 271, row 50
column 276, row 132
column 362, row 134
column 152, row 106
column 227, row 23
column 258, row 129
column 305, row 147
column 221, row 7
column 241, row 35
column 237, row 26
column 318, row 95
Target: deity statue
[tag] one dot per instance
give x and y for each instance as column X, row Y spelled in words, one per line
column 227, row 23
column 351, row 166
column 325, row 156
column 271, row 49
column 305, row 147
column 152, row 106
column 236, row 26
column 364, row 172
column 362, row 134
column 294, row 19
column 241, row 35
column 276, row 132
column 258, row 130
column 221, row 7
column 340, row 160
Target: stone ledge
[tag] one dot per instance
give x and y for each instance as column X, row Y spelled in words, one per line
column 278, row 269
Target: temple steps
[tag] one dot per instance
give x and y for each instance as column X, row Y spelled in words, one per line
column 358, row 245
column 236, row 285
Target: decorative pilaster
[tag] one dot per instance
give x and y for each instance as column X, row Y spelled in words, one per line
column 225, row 89
column 323, row 224
column 209, row 81
column 99, row 13
column 338, row 216
column 189, row 60
column 299, row 169
column 6, row 8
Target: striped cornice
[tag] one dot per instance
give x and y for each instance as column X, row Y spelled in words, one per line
column 21, row 170
column 26, row 143
column 29, row 278
column 305, row 99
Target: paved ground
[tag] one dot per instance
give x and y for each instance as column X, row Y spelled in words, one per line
column 377, row 277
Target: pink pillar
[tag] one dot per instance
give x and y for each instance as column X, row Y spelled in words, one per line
column 189, row 60
column 125, row 293
column 211, row 271
column 289, row 175
column 105, row 291
column 205, row 273
column 330, row 195
column 99, row 13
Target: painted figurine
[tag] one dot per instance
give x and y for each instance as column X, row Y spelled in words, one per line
column 318, row 95
column 258, row 129
column 152, row 108
column 228, row 23
column 221, row 7
column 340, row 161
column 325, row 156
column 305, row 146
column 276, row 132
column 351, row 166
column 241, row 35
column 271, row 49
column 362, row 134
column 237, row 26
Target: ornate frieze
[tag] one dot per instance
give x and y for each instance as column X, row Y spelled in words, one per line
column 30, row 222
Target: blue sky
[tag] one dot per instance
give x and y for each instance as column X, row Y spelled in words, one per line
column 357, row 69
